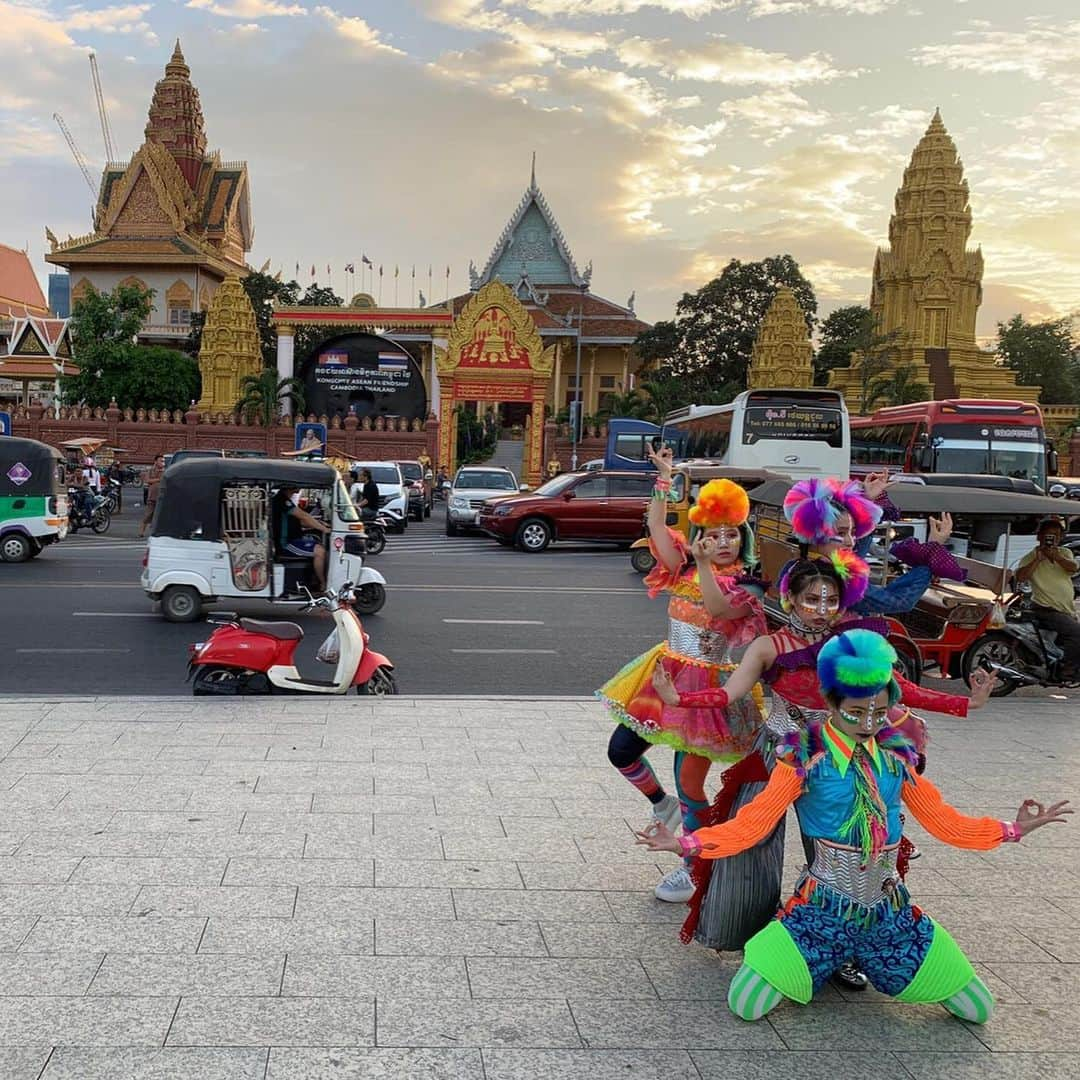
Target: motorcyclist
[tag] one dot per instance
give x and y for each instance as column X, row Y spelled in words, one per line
column 1050, row 569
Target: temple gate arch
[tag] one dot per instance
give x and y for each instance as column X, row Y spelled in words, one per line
column 494, row 353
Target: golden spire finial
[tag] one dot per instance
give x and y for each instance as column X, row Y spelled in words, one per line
column 937, row 125
column 177, row 65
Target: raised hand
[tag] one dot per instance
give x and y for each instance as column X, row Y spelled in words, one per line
column 982, row 684
column 874, row 484
column 1033, row 815
column 664, row 686
column 662, row 460
column 703, row 549
column 658, row 837
column 941, row 528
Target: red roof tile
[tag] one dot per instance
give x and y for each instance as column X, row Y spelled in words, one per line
column 19, row 284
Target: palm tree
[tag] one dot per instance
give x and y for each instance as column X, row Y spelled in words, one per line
column 876, row 351
column 633, row 405
column 264, row 393
column 900, row 387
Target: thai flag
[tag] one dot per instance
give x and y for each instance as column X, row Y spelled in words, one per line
column 389, row 361
column 333, row 359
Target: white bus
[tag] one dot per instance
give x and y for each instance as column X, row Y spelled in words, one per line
column 798, row 432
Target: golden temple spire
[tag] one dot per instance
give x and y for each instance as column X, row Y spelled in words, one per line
column 175, row 120
column 178, row 65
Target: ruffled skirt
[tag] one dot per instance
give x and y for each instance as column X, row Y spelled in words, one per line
column 718, row 734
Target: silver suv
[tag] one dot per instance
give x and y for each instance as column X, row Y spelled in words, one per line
column 473, row 486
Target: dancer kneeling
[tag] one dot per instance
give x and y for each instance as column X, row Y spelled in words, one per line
column 847, row 777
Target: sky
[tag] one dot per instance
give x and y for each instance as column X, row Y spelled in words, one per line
column 670, row 135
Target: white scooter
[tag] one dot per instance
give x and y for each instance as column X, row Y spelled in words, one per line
column 249, row 656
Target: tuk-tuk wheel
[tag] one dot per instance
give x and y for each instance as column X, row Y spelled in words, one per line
column 370, row 598
column 642, row 560
column 16, row 548
column 181, row 603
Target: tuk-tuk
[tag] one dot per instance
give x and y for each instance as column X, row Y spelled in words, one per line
column 33, row 498
column 687, row 478
column 950, row 626
column 214, row 536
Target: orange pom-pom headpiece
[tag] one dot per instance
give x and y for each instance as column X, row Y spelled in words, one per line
column 720, row 502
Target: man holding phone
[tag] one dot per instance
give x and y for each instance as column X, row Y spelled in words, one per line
column 1049, row 569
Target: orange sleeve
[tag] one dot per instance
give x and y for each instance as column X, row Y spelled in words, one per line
column 945, row 822
column 752, row 823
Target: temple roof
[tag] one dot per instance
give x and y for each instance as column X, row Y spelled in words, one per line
column 175, row 119
column 20, row 290
column 35, row 347
column 531, row 245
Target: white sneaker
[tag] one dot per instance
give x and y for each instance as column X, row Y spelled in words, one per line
column 669, row 812
column 676, row 887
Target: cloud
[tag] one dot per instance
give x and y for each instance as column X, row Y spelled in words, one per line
column 720, row 60
column 773, row 114
column 246, row 9
column 357, row 31
column 122, row 19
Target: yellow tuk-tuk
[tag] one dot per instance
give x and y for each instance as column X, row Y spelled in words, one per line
column 687, row 479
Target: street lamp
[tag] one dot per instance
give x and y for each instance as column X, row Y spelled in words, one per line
column 575, row 412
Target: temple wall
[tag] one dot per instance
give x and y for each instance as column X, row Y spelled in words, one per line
column 106, row 278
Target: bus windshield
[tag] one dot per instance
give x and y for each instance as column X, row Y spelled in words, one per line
column 1022, row 461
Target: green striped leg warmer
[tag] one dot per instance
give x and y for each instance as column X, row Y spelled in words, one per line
column 750, row 997
column 973, row 1002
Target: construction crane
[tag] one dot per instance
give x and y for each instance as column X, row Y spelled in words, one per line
column 76, row 153
column 103, row 116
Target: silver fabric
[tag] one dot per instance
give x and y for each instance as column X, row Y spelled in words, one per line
column 785, row 717
column 840, row 869
column 698, row 644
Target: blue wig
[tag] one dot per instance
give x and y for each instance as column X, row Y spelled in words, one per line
column 857, row 664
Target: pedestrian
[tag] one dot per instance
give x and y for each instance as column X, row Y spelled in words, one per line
column 1050, row 569
column 715, row 606
column 93, row 476
column 847, row 775
column 735, row 898
column 153, row 483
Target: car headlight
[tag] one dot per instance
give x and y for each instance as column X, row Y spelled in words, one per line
column 459, row 502
column 502, row 509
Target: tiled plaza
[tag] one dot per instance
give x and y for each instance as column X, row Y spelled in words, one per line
column 415, row 888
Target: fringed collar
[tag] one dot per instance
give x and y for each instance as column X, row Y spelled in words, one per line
column 804, row 748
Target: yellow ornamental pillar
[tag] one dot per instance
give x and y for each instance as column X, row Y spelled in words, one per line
column 230, row 347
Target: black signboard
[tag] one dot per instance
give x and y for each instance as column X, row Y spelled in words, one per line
column 365, row 374
column 998, row 430
column 803, row 422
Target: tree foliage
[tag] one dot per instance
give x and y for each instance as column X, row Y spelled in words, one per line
column 263, row 394
column 633, row 405
column 1043, row 354
column 113, row 368
column 838, row 330
column 712, row 334
column 900, row 386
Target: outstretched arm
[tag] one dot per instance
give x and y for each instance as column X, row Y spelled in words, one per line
column 918, row 697
column 748, row 827
column 754, row 664
column 945, row 822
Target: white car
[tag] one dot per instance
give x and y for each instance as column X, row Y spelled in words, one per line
column 473, row 486
column 393, row 491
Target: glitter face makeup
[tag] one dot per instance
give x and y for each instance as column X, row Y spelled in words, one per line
column 819, row 601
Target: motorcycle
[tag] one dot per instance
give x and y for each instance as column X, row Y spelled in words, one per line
column 112, row 495
column 248, row 656
column 99, row 518
column 375, row 526
column 1022, row 652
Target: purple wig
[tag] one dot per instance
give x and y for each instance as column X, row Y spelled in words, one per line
column 865, row 513
column 812, row 511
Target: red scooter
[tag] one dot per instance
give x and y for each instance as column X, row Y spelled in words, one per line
column 248, row 656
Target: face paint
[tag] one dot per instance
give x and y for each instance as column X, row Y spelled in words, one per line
column 862, row 718
column 727, row 540
column 845, row 532
column 819, row 600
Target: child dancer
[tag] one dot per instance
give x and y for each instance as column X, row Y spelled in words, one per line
column 847, row 776
column 714, row 607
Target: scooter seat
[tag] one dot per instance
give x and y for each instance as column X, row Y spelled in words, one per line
column 283, row 631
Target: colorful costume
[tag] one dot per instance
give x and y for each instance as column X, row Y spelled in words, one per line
column 850, row 900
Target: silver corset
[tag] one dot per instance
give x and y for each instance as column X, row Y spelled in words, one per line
column 839, row 868
column 785, row 717
column 698, row 644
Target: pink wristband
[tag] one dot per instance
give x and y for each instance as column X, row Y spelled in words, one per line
column 689, row 845
column 1011, row 831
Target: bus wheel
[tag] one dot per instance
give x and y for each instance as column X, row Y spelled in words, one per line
column 16, row 548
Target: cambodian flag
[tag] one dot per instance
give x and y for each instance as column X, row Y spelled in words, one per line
column 333, row 359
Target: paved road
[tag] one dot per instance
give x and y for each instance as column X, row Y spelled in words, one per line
column 464, row 616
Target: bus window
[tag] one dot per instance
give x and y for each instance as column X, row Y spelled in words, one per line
column 631, row 446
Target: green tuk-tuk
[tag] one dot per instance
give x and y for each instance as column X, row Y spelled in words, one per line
column 33, row 500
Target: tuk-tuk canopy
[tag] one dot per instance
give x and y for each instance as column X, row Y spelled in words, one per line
column 27, row 467
column 919, row 499
column 189, row 499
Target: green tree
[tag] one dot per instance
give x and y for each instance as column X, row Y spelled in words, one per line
column 900, row 386
column 838, row 329
column 633, row 405
column 713, row 331
column 1043, row 354
column 264, row 393
column 111, row 367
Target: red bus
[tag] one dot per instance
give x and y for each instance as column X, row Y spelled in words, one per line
column 959, row 435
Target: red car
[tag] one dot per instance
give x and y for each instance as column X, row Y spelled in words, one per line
column 604, row 506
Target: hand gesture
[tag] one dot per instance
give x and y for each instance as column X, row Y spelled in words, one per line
column 875, row 483
column 664, row 686
column 661, row 459
column 982, row 683
column 658, row 837
column 1033, row 815
column 703, row 549
column 941, row 528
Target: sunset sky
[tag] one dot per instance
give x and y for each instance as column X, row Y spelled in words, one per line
column 670, row 135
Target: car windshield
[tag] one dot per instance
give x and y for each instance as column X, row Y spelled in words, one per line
column 384, row 474
column 411, row 470
column 555, row 485
column 485, row 480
